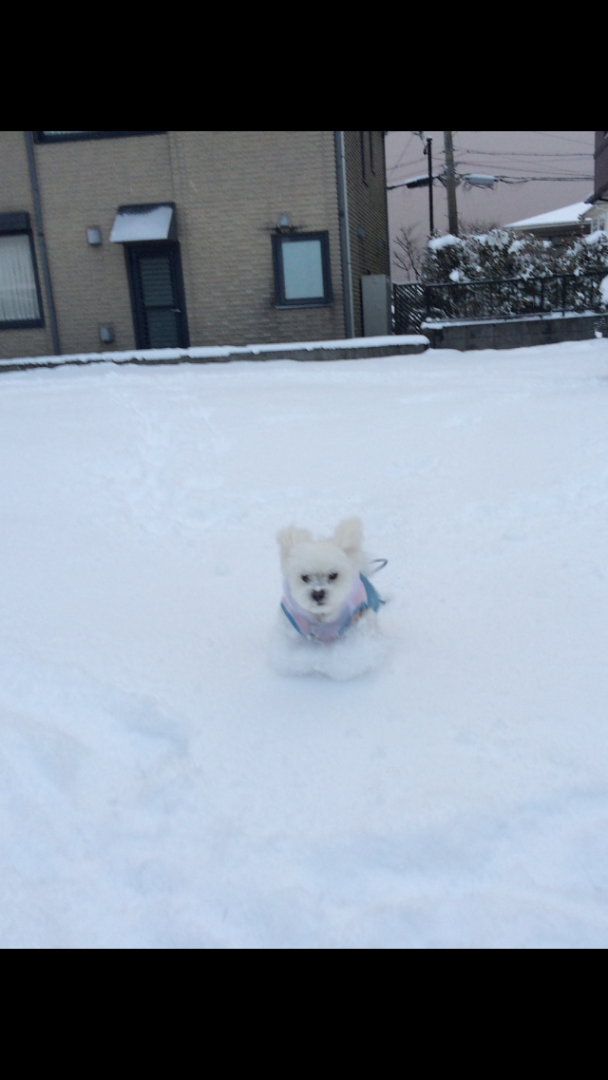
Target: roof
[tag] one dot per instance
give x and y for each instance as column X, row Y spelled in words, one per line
column 566, row 215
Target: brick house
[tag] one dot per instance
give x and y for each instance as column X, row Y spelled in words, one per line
column 116, row 240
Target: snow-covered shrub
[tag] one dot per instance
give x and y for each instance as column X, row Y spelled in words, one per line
column 585, row 255
column 502, row 256
column 495, row 255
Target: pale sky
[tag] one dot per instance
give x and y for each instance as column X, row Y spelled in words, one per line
column 512, row 154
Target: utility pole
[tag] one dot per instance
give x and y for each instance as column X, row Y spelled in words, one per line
column 429, row 151
column 450, row 182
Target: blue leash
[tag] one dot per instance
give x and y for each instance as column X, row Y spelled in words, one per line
column 373, row 598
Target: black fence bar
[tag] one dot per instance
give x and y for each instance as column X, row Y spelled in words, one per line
column 502, row 298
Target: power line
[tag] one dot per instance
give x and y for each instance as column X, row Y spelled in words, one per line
column 562, row 174
column 520, row 179
column 552, row 135
column 504, row 179
column 558, row 174
column 545, row 179
column 404, row 151
column 411, row 166
column 516, row 162
column 408, row 164
column 523, row 153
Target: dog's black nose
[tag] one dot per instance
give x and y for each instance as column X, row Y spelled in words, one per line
column 318, row 595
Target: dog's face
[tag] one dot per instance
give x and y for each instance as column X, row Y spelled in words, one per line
column 321, row 573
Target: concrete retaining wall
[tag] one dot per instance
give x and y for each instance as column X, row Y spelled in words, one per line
column 346, row 349
column 514, row 333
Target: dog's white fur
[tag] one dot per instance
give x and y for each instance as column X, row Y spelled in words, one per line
column 362, row 648
column 321, row 574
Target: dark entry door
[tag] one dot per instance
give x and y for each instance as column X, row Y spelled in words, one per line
column 157, row 295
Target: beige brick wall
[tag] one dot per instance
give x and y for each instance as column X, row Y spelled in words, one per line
column 16, row 197
column 229, row 188
column 367, row 208
column 81, row 185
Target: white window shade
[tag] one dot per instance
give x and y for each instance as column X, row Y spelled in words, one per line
column 303, row 269
column 18, row 293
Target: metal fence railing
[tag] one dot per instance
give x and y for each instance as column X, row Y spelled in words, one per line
column 503, row 298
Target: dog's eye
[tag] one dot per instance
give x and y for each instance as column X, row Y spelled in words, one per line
column 305, row 578
column 332, row 577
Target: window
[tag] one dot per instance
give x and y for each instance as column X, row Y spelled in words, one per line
column 78, row 136
column 301, row 270
column 20, row 304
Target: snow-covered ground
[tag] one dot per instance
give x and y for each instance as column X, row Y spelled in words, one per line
column 162, row 786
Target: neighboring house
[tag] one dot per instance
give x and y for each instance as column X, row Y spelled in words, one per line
column 122, row 239
column 556, row 225
column 597, row 213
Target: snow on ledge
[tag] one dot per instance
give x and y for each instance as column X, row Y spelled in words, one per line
column 147, row 224
column 223, row 352
column 439, row 324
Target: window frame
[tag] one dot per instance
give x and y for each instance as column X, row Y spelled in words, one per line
column 282, row 302
column 18, row 224
column 90, row 136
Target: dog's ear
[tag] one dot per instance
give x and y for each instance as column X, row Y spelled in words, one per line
column 348, row 536
column 288, row 538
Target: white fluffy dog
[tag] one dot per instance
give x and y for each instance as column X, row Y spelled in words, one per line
column 324, row 589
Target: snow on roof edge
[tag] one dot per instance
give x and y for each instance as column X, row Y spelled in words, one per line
column 566, row 215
